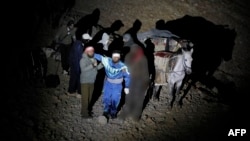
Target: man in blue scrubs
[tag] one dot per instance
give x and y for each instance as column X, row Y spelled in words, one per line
column 116, row 72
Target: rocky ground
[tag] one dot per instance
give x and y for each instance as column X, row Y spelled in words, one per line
column 49, row 114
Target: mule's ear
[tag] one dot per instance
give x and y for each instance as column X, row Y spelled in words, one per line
column 192, row 50
column 190, row 44
column 182, row 49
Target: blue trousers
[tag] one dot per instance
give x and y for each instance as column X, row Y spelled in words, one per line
column 111, row 97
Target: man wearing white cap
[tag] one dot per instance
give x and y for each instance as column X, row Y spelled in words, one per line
column 104, row 41
column 116, row 72
column 86, row 36
column 74, row 59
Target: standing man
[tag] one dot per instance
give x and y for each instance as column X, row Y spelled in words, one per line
column 116, row 71
column 65, row 37
column 102, row 37
column 133, row 32
column 89, row 69
column 74, row 63
column 87, row 23
column 138, row 68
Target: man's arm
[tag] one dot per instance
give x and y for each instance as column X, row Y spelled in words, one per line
column 84, row 66
column 61, row 34
column 74, row 38
column 74, row 35
column 126, row 77
column 99, row 66
column 58, row 34
column 98, row 57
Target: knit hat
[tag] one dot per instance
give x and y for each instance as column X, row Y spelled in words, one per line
column 89, row 48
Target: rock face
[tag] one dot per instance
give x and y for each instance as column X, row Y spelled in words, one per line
column 33, row 112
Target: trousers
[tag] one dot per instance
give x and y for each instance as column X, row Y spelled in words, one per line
column 74, row 82
column 111, row 97
column 65, row 49
column 87, row 91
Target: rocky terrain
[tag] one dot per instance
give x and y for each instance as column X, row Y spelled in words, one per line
column 50, row 114
column 38, row 113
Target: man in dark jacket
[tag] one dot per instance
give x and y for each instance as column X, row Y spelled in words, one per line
column 86, row 23
column 74, row 59
column 101, row 39
column 133, row 32
column 65, row 38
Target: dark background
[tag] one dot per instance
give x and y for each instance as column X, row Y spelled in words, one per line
column 22, row 20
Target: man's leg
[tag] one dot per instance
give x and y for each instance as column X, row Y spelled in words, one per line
column 127, row 106
column 63, row 56
column 138, row 105
column 72, row 82
column 129, row 103
column 107, row 98
column 85, row 97
column 115, row 99
column 91, row 89
column 68, row 47
column 138, row 99
column 78, row 85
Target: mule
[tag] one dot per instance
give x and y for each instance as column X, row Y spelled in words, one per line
column 176, row 66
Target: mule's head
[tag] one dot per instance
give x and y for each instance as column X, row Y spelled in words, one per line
column 175, row 44
column 187, row 59
column 185, row 44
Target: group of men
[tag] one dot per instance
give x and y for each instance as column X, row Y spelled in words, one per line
column 83, row 58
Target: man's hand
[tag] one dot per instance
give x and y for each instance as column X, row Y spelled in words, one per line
column 126, row 90
column 94, row 64
column 151, row 83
